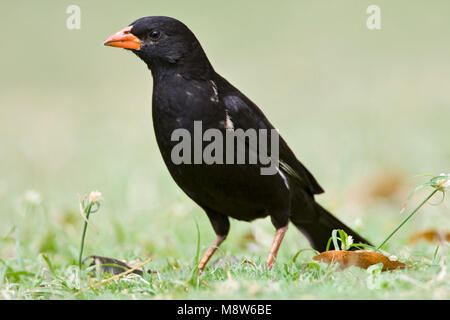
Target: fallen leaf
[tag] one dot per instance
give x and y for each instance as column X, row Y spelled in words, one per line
column 111, row 265
column 115, row 277
column 362, row 259
column 387, row 184
column 431, row 236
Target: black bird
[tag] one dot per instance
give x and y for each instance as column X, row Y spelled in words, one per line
column 186, row 88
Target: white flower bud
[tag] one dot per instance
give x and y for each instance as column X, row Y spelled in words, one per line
column 94, row 196
column 32, row 197
column 393, row 258
column 444, row 183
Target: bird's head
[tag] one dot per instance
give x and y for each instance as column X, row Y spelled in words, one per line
column 163, row 43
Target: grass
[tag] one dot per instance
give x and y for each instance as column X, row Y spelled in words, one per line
column 364, row 111
column 173, row 280
column 228, row 277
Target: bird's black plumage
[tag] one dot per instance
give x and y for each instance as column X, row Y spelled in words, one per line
column 186, row 88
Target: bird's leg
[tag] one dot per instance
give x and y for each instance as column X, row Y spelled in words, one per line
column 208, row 254
column 279, row 235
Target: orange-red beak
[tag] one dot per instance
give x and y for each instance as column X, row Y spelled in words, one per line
column 124, row 39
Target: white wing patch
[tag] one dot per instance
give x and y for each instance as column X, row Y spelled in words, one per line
column 215, row 96
column 228, row 123
column 284, row 177
column 289, row 170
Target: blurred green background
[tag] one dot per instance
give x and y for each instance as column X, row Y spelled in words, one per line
column 364, row 110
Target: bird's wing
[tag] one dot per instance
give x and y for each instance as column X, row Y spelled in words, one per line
column 243, row 113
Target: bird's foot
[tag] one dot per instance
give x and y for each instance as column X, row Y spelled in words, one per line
column 270, row 261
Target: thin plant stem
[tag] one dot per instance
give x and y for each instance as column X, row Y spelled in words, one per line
column 407, row 218
column 88, row 212
column 18, row 251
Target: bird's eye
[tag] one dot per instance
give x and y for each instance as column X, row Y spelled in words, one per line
column 155, row 34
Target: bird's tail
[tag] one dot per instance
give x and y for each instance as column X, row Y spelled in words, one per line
column 319, row 231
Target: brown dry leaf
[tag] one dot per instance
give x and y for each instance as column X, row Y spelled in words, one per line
column 115, row 277
column 247, row 238
column 386, row 185
column 111, row 265
column 362, row 259
column 431, row 236
column 383, row 185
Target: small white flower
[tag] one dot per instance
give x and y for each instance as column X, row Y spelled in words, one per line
column 393, row 258
column 445, row 182
column 349, row 240
column 32, row 197
column 346, row 246
column 95, row 196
